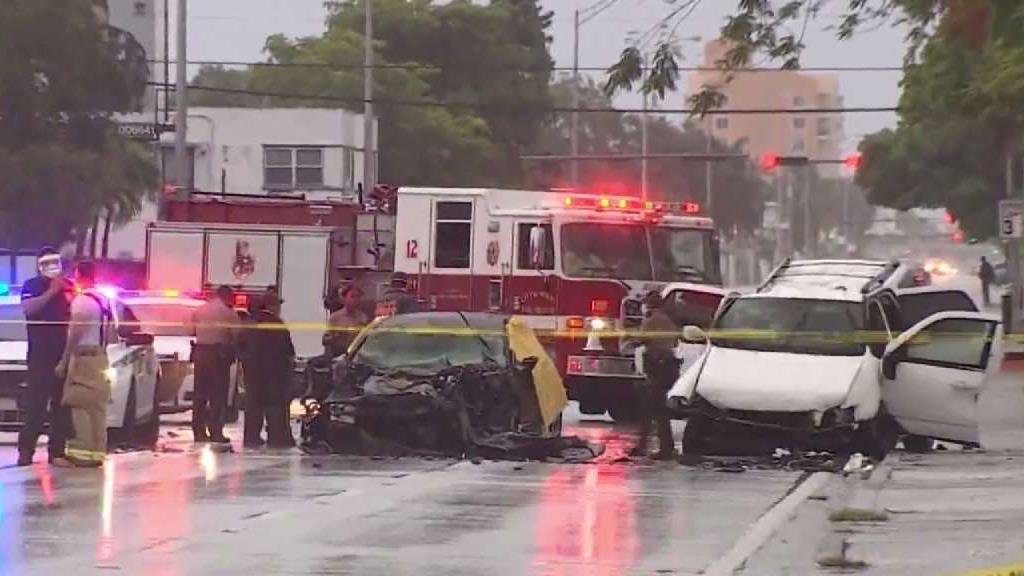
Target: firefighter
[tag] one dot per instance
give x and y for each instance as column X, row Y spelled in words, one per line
column 45, row 299
column 85, row 364
column 214, row 325
column 267, row 356
column 661, row 369
column 397, row 298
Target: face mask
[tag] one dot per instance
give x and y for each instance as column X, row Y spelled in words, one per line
column 50, row 266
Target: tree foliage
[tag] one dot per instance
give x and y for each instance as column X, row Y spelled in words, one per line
column 739, row 192
column 61, row 159
column 492, row 57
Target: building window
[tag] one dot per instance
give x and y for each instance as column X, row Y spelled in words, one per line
column 799, row 123
column 799, row 146
column 140, row 8
column 293, row 168
column 721, row 123
column 348, row 168
column 824, row 127
column 799, row 101
column 523, row 247
column 453, row 234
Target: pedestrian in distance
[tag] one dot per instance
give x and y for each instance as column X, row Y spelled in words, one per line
column 46, row 302
column 84, row 366
column 661, row 368
column 268, row 356
column 987, row 275
column 215, row 325
column 344, row 323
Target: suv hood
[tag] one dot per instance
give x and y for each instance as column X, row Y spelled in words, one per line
column 776, row 381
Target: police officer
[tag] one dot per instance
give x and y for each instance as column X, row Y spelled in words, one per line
column 267, row 356
column 661, row 368
column 215, row 325
column 46, row 301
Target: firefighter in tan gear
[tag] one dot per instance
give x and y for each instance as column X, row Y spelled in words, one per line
column 84, row 367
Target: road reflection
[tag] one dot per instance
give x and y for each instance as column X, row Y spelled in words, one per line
column 587, row 514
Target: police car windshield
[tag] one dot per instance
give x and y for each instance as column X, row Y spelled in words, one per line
column 163, row 319
column 798, row 326
column 12, row 323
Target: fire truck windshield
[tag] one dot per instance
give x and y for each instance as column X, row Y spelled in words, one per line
column 628, row 252
column 592, row 250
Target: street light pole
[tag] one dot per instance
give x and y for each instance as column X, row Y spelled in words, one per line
column 574, row 129
column 184, row 186
column 643, row 151
column 369, row 176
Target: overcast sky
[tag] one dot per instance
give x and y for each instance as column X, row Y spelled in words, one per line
column 237, row 29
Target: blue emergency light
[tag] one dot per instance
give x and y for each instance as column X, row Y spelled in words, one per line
column 5, row 289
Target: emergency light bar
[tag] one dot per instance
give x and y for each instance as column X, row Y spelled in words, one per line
column 618, row 204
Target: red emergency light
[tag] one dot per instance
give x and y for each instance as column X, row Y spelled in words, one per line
column 241, row 300
column 599, row 306
column 690, row 208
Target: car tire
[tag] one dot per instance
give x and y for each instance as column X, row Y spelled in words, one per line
column 697, row 435
column 148, row 434
column 918, row 444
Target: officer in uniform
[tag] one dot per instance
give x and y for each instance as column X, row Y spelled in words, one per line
column 215, row 325
column 661, row 369
column 46, row 301
column 267, row 356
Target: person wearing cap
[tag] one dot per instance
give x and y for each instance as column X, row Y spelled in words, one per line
column 215, row 325
column 46, row 302
column 661, row 368
column 397, row 298
column 344, row 323
column 268, row 355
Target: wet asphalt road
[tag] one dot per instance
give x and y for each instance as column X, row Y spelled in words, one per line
column 184, row 511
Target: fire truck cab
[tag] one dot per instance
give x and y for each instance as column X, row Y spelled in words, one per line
column 574, row 266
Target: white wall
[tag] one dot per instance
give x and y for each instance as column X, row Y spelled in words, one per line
column 144, row 20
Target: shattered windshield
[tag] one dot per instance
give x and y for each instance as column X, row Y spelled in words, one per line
column 592, row 250
column 428, row 348
column 798, row 326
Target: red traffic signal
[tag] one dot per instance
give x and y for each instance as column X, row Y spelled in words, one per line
column 770, row 162
column 854, row 161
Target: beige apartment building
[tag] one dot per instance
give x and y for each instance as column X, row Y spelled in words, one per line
column 815, row 135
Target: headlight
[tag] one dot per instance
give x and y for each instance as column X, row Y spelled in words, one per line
column 111, row 375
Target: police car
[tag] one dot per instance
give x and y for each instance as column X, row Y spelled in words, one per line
column 132, row 413
column 167, row 315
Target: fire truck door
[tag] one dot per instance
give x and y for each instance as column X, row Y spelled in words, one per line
column 492, row 260
column 454, row 241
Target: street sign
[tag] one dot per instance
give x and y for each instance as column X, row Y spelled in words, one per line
column 1011, row 223
column 143, row 130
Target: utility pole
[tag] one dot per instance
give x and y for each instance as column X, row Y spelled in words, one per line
column 575, row 127
column 708, row 199
column 643, row 151
column 369, row 176
column 1012, row 254
column 810, row 244
column 183, row 178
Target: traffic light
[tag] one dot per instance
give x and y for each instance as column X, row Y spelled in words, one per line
column 854, row 161
column 771, row 162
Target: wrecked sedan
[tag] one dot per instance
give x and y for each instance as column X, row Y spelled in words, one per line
column 836, row 356
column 446, row 383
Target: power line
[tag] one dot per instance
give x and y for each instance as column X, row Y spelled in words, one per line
column 533, row 107
column 360, row 66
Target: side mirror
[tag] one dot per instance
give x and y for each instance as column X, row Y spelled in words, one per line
column 138, row 339
column 538, row 246
column 694, row 335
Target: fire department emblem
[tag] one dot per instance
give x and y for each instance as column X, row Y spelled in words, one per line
column 244, row 264
column 492, row 253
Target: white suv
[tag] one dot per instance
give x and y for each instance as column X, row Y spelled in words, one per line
column 835, row 353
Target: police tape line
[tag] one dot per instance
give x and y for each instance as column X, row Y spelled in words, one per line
column 846, row 337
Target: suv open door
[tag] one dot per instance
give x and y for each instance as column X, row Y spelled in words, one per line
column 935, row 371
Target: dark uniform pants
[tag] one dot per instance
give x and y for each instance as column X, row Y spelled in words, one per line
column 41, row 404
column 210, row 398
column 661, row 375
column 266, row 400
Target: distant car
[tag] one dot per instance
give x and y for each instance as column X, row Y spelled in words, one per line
column 407, row 377
column 940, row 267
column 834, row 355
column 132, row 413
column 168, row 316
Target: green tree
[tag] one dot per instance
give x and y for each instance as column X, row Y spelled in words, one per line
column 493, row 58
column 62, row 162
column 738, row 191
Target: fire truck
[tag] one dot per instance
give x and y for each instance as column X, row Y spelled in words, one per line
column 575, row 266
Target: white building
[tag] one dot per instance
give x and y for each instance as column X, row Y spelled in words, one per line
column 311, row 153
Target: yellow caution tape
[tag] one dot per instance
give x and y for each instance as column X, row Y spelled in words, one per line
column 1013, row 570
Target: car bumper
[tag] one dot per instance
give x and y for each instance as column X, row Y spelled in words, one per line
column 603, row 367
